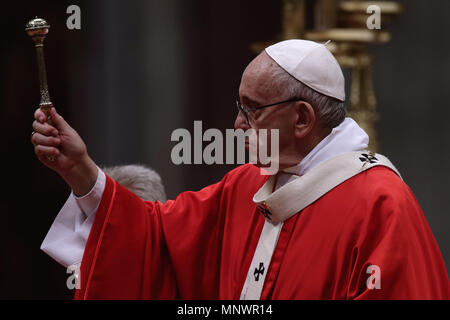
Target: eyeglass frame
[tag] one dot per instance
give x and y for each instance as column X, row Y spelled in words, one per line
column 245, row 112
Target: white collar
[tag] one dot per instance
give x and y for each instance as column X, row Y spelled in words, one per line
column 346, row 137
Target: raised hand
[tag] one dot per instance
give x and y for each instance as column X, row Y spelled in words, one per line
column 60, row 148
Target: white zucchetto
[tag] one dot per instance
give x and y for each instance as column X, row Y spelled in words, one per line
column 310, row 63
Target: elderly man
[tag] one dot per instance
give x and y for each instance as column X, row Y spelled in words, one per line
column 336, row 221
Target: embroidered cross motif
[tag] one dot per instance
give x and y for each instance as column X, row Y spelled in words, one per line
column 265, row 211
column 259, row 271
column 368, row 158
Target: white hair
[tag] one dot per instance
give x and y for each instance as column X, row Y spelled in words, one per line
column 139, row 179
column 331, row 111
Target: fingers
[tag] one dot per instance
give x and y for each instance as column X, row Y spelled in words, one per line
column 44, row 129
column 45, row 137
column 58, row 121
column 39, row 139
column 44, row 152
column 39, row 115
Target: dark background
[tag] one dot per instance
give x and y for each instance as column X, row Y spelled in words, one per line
column 137, row 70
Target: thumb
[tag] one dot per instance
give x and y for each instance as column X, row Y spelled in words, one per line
column 58, row 121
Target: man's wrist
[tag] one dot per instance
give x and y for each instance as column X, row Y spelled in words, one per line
column 82, row 177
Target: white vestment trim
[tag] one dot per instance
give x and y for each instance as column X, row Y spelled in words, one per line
column 296, row 195
column 302, row 191
column 261, row 260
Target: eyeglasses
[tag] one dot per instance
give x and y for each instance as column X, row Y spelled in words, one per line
column 245, row 111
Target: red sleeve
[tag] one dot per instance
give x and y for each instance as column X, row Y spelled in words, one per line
column 397, row 240
column 148, row 250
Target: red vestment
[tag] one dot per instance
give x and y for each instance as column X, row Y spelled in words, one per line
column 200, row 245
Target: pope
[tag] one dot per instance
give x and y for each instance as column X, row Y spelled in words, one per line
column 335, row 222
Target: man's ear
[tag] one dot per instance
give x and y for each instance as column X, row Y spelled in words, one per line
column 306, row 119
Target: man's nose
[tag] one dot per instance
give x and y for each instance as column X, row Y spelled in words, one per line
column 240, row 122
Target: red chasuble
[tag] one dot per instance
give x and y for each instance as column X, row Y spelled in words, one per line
column 200, row 245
